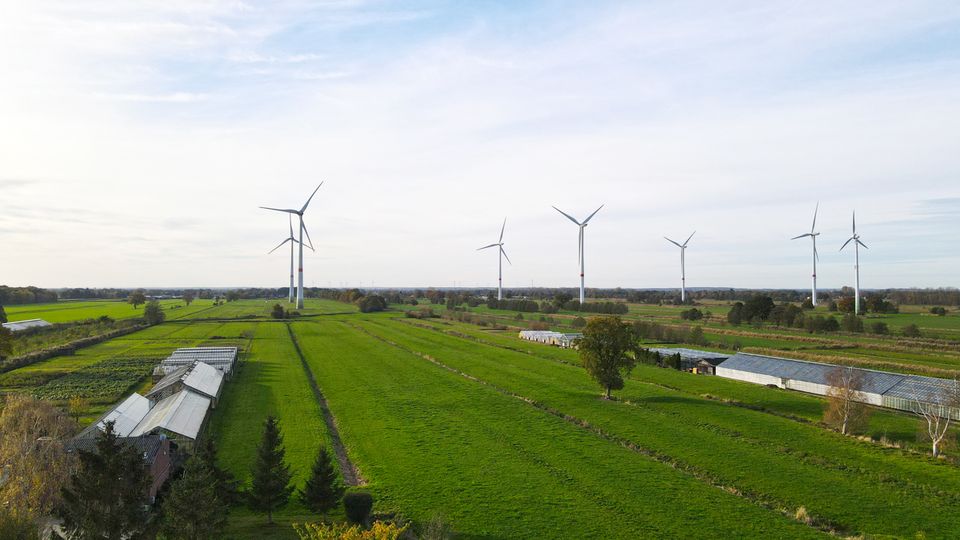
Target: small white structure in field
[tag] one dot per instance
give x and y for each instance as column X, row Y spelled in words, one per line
column 19, row 326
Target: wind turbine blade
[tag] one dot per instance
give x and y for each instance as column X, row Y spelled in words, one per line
column 287, row 210
column 505, row 255
column 854, row 222
column 591, row 215
column 816, row 254
column 306, row 232
column 801, row 236
column 814, row 226
column 291, row 224
column 306, row 204
column 490, row 246
column 672, row 242
column 580, row 248
column 688, row 238
column 502, row 229
column 862, row 244
column 845, row 243
column 566, row 214
column 278, row 246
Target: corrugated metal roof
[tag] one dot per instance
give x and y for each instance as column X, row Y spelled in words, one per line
column 874, row 382
column 16, row 326
column 695, row 354
column 221, row 358
column 926, row 389
column 168, row 380
column 204, row 379
column 126, row 415
column 182, row 413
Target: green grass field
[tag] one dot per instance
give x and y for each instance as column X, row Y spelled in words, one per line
column 507, row 439
column 69, row 311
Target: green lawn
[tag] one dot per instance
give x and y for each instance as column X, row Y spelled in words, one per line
column 69, row 311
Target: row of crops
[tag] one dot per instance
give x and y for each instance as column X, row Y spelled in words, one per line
column 106, row 379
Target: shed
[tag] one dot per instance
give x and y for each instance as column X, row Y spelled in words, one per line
column 694, row 360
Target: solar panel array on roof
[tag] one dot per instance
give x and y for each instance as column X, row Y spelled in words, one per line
column 874, row 382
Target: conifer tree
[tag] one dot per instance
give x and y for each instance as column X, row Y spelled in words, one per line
column 271, row 487
column 107, row 497
column 195, row 509
column 226, row 484
column 323, row 490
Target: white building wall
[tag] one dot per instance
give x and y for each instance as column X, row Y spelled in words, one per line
column 746, row 376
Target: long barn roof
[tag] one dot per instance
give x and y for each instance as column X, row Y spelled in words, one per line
column 874, row 382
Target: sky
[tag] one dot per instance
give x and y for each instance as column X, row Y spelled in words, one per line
column 138, row 139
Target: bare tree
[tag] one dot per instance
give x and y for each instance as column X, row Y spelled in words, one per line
column 938, row 407
column 846, row 409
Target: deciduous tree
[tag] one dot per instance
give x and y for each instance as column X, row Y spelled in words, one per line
column 845, row 408
column 32, row 456
column 936, row 407
column 188, row 297
column 607, row 350
column 137, row 298
column 153, row 313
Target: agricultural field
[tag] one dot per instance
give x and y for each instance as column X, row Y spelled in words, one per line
column 506, row 438
column 71, row 311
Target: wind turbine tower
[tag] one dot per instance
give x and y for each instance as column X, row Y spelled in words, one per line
column 855, row 238
column 683, row 269
column 581, row 253
column 503, row 254
column 303, row 229
column 813, row 236
column 292, row 241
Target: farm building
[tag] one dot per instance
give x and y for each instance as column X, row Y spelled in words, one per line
column 198, row 377
column 19, row 326
column 124, row 416
column 222, row 358
column 694, row 360
column 180, row 417
column 881, row 388
column 548, row 337
column 155, row 449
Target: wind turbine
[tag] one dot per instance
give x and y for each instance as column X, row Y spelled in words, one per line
column 303, row 229
column 292, row 241
column 581, row 254
column 856, row 262
column 502, row 255
column 683, row 270
column 813, row 236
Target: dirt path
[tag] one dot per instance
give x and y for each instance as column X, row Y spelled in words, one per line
column 351, row 475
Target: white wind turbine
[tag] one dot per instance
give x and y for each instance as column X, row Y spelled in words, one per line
column 502, row 255
column 856, row 262
column 683, row 269
column 292, row 241
column 303, row 229
column 581, row 253
column 813, row 236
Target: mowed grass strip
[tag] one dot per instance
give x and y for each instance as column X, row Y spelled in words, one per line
column 855, row 486
column 270, row 381
column 430, row 441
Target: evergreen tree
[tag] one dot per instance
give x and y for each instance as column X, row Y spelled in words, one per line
column 271, row 487
column 226, row 484
column 323, row 489
column 195, row 510
column 107, row 497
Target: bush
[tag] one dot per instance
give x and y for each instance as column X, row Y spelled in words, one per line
column 357, row 506
column 911, row 330
column 579, row 322
column 938, row 310
column 851, row 323
column 879, row 328
column 692, row 314
column 374, row 302
column 277, row 312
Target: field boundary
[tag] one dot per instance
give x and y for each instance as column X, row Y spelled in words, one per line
column 351, row 475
